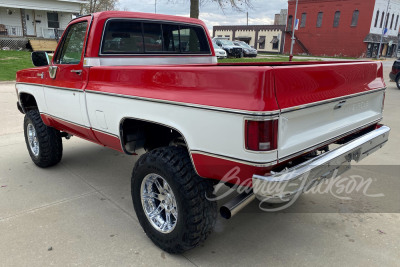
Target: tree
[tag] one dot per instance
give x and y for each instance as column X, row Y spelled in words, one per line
column 99, row 5
column 237, row 5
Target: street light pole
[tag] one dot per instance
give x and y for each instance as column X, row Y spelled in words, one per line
column 383, row 30
column 293, row 29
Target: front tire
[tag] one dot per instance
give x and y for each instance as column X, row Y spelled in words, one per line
column 170, row 200
column 43, row 142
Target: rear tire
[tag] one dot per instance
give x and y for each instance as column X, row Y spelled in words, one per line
column 43, row 142
column 191, row 217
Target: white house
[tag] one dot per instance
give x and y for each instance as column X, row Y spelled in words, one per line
column 36, row 18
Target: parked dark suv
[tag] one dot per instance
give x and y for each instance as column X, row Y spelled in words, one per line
column 395, row 73
column 248, row 51
column 231, row 49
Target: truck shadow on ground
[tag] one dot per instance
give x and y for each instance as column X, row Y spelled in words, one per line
column 109, row 172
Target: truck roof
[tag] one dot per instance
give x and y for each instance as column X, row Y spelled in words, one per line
column 140, row 15
column 100, row 18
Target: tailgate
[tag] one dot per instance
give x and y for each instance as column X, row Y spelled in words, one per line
column 321, row 103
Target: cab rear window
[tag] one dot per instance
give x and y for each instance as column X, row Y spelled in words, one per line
column 124, row 36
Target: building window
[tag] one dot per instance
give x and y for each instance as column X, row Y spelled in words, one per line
column 227, row 36
column 219, row 35
column 261, row 42
column 275, row 43
column 376, row 18
column 387, row 20
column 354, row 19
column 319, row 19
column 290, row 23
column 383, row 17
column 391, row 23
column 397, row 20
column 52, row 20
column 336, row 19
column 303, row 20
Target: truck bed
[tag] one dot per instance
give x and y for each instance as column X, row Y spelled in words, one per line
column 314, row 100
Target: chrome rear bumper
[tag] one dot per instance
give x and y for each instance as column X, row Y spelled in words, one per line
column 283, row 186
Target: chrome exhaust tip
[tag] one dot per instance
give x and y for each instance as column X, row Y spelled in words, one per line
column 232, row 207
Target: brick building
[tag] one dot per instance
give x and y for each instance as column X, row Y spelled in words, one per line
column 343, row 27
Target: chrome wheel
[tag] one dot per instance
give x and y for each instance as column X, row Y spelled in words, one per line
column 33, row 140
column 159, row 203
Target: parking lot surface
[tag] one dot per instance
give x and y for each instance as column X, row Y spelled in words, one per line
column 80, row 211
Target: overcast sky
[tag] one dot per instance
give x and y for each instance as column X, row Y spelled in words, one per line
column 262, row 11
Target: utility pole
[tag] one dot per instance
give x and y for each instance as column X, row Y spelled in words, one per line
column 155, row 6
column 383, row 30
column 293, row 29
column 247, row 15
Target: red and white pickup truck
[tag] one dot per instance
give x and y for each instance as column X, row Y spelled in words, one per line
column 134, row 81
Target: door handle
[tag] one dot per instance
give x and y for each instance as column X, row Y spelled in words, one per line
column 40, row 75
column 79, row 72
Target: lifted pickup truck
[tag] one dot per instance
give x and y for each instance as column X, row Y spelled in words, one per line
column 142, row 82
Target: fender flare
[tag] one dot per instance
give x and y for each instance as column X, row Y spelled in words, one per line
column 121, row 137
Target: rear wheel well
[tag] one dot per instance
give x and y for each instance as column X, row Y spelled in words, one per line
column 137, row 134
column 28, row 102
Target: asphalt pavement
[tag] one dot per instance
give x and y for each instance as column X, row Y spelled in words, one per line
column 80, row 212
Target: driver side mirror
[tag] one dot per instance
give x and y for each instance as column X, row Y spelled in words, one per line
column 40, row 59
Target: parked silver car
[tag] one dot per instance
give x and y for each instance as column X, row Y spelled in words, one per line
column 219, row 52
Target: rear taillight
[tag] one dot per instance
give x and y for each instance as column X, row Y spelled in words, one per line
column 261, row 135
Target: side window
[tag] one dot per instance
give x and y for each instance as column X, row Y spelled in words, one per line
column 72, row 44
column 123, row 36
